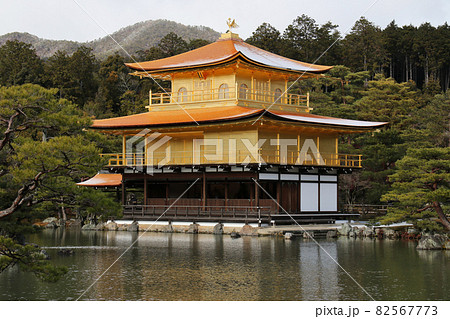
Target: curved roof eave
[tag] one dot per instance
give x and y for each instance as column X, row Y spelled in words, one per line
column 182, row 67
column 224, row 51
column 179, row 118
column 142, row 72
column 103, row 180
column 324, row 120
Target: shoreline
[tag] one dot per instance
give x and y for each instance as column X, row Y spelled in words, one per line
column 354, row 229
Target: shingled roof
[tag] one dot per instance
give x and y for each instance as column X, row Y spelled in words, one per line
column 223, row 114
column 225, row 50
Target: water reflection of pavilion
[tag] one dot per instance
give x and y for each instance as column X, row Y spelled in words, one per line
column 206, row 267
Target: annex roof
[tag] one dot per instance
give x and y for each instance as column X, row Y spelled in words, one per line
column 222, row 114
column 103, row 180
column 224, row 50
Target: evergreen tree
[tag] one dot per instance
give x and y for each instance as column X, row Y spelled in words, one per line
column 363, row 47
column 44, row 151
column 301, row 37
column 430, row 124
column 197, row 43
column 29, row 258
column 421, row 189
column 386, row 100
column 41, row 142
column 171, row 44
column 73, row 75
column 425, row 46
column 329, row 44
column 83, row 66
column 408, row 54
column 58, row 73
column 19, row 64
column 266, row 37
column 114, row 82
column 391, row 36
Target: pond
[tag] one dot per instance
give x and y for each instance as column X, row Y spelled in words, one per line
column 174, row 266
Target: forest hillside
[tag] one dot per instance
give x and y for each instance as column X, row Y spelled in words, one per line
column 139, row 36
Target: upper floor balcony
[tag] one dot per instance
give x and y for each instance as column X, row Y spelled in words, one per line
column 242, row 95
column 264, row 157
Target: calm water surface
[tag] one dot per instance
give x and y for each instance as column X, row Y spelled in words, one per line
column 208, row 267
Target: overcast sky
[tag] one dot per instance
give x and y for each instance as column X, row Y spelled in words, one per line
column 64, row 19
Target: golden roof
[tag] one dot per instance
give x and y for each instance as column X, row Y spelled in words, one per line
column 228, row 48
column 223, row 114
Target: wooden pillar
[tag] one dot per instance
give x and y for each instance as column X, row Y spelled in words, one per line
column 336, row 157
column 252, row 89
column 124, row 149
column 318, row 156
column 252, row 196
column 318, row 194
column 123, row 192
column 226, row 192
column 285, row 96
column 145, row 189
column 337, row 194
column 279, row 196
column 167, row 192
column 256, row 193
column 204, row 191
column 278, row 160
column 145, row 159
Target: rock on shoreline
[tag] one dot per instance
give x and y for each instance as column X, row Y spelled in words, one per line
column 433, row 242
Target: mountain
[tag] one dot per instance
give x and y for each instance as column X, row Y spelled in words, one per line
column 139, row 36
column 143, row 35
column 44, row 48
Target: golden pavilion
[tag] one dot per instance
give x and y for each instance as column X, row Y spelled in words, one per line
column 227, row 143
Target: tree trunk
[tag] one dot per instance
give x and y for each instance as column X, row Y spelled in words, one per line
column 437, row 207
column 365, row 63
column 406, row 69
column 21, row 198
column 447, row 81
column 391, row 71
column 62, row 220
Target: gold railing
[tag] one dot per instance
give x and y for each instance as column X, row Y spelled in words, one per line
column 239, row 157
column 232, row 93
column 310, row 158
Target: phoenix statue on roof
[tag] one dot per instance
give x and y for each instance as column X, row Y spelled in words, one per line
column 232, row 24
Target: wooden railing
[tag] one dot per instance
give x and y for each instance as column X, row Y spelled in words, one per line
column 239, row 157
column 366, row 209
column 197, row 213
column 233, row 93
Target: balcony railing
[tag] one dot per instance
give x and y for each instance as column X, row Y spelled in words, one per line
column 239, row 157
column 232, row 93
column 198, row 213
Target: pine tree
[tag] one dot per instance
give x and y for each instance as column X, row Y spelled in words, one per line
column 421, row 188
